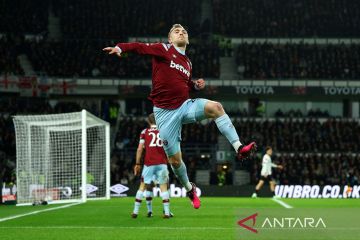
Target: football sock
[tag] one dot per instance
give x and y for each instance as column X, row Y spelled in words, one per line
column 149, row 195
column 166, row 202
column 181, row 174
column 138, row 199
column 227, row 129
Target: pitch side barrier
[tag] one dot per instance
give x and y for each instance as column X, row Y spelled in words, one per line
column 284, row 191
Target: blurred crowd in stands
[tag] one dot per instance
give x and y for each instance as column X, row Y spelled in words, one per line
column 293, row 113
column 287, row 18
column 85, row 58
column 24, row 17
column 112, row 19
column 313, row 169
column 7, row 147
column 86, row 27
column 309, row 135
column 9, row 64
column 298, row 61
column 286, row 135
column 78, row 58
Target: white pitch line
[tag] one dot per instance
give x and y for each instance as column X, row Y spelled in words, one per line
column 285, row 205
column 36, row 212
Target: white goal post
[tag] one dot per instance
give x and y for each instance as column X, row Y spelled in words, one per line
column 62, row 158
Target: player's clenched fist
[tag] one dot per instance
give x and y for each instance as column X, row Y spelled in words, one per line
column 113, row 50
column 200, row 83
column 137, row 169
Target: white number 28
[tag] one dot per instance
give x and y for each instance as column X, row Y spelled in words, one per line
column 155, row 140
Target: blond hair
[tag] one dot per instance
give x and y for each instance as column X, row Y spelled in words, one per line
column 176, row 25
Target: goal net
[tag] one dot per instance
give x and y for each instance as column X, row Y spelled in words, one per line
column 62, row 158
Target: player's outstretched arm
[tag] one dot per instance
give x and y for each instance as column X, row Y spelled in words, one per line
column 277, row 166
column 152, row 49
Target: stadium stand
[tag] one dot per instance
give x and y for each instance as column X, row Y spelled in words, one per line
column 19, row 17
column 298, row 61
column 9, row 64
column 308, row 135
column 287, row 18
column 287, row 135
column 78, row 58
column 313, row 169
column 116, row 19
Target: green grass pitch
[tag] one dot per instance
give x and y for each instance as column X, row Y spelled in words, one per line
column 216, row 219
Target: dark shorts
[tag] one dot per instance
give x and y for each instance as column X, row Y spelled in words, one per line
column 268, row 178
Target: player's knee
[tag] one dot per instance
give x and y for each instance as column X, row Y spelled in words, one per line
column 214, row 109
column 142, row 187
column 175, row 162
column 219, row 108
column 163, row 187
